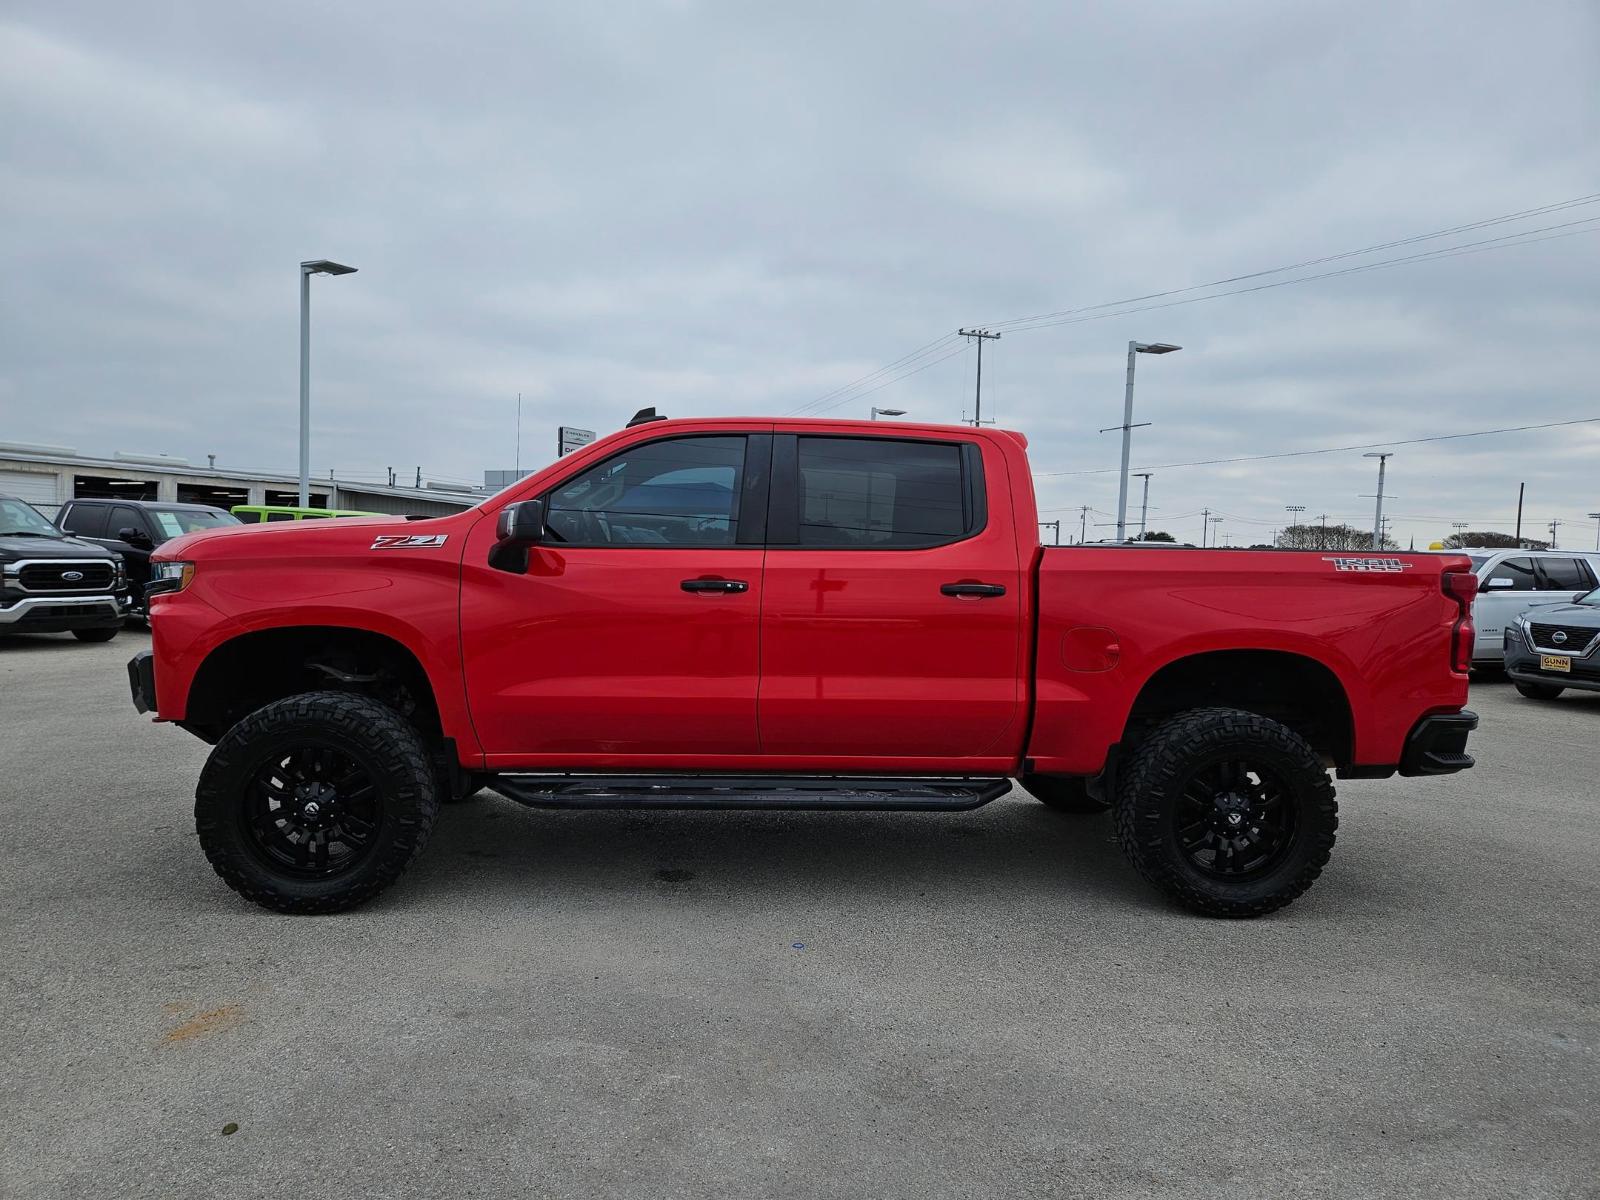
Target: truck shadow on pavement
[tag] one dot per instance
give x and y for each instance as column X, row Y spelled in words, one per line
column 490, row 844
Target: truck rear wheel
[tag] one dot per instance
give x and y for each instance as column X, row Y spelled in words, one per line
column 1230, row 813
column 1064, row 793
column 316, row 803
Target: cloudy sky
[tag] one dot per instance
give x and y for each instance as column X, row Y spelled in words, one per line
column 741, row 208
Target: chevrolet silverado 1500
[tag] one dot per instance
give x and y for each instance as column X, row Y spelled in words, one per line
column 791, row 614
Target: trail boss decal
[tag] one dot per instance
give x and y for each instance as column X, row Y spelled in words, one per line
column 409, row 541
column 1389, row 565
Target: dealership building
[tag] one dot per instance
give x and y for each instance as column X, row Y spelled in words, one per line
column 48, row 476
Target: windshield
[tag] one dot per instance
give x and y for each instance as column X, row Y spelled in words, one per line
column 1478, row 560
column 24, row 520
column 174, row 521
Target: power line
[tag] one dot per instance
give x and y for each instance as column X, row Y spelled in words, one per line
column 848, row 391
column 1442, row 437
column 1576, row 202
column 1522, row 238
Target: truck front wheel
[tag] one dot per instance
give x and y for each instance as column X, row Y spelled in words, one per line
column 1064, row 793
column 316, row 803
column 1230, row 813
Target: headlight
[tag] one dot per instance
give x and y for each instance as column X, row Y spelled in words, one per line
column 169, row 577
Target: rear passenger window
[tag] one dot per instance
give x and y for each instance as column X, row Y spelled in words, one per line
column 1518, row 570
column 280, row 516
column 879, row 493
column 1565, row 575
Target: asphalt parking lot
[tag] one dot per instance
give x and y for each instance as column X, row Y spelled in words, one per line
column 744, row 1005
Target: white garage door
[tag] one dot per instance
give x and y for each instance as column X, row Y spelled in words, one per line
column 36, row 487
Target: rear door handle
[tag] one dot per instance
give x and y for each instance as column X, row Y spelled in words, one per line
column 973, row 589
column 714, row 585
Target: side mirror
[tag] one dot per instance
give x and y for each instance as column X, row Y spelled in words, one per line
column 135, row 538
column 521, row 524
column 1580, row 597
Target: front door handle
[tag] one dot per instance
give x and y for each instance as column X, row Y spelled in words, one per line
column 973, row 589
column 714, row 585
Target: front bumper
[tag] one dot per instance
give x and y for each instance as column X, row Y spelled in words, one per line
column 1522, row 662
column 142, row 681
column 58, row 614
column 1438, row 744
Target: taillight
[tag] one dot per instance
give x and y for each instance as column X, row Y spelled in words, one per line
column 1461, row 586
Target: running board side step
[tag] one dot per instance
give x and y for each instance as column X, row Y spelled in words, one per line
column 789, row 792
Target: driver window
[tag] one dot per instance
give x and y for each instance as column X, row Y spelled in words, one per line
column 675, row 492
column 1518, row 570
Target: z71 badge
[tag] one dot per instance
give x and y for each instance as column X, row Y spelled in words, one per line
column 1366, row 564
column 412, row 541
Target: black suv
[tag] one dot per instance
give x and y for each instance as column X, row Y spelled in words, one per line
column 134, row 528
column 52, row 583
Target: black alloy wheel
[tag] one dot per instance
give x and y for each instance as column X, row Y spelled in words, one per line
column 312, row 811
column 1234, row 820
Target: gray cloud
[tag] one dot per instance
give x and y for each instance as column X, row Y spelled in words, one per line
column 736, row 209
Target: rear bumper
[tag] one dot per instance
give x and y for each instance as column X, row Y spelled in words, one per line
column 58, row 614
column 1438, row 744
column 142, row 681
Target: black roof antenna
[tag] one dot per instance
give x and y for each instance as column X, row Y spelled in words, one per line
column 644, row 416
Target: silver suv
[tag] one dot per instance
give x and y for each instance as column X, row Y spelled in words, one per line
column 1510, row 582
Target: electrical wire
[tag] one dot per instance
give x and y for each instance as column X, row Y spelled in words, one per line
column 1212, row 462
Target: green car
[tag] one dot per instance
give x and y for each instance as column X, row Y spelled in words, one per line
column 256, row 514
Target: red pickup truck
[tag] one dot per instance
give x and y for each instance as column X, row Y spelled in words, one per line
column 791, row 614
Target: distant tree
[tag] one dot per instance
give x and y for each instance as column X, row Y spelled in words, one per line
column 1484, row 537
column 1155, row 535
column 1329, row 537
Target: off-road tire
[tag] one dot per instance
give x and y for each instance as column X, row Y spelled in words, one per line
column 97, row 635
column 371, row 733
column 1539, row 691
column 1151, row 784
column 1064, row 793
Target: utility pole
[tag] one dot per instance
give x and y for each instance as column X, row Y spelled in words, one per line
column 1553, row 525
column 1520, row 488
column 1083, row 524
column 1215, row 521
column 1322, row 538
column 419, row 475
column 1205, row 524
column 1127, row 427
column 1596, row 518
column 1144, row 505
column 981, row 335
column 1383, row 458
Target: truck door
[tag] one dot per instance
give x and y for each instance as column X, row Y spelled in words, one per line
column 891, row 619
column 633, row 637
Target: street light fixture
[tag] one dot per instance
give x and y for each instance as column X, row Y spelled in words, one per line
column 319, row 266
column 1383, row 458
column 887, row 412
column 1128, row 427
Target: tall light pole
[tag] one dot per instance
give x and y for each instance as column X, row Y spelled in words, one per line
column 887, row 412
column 1596, row 518
column 1383, row 458
column 320, row 266
column 1294, row 511
column 1144, row 505
column 1128, row 427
